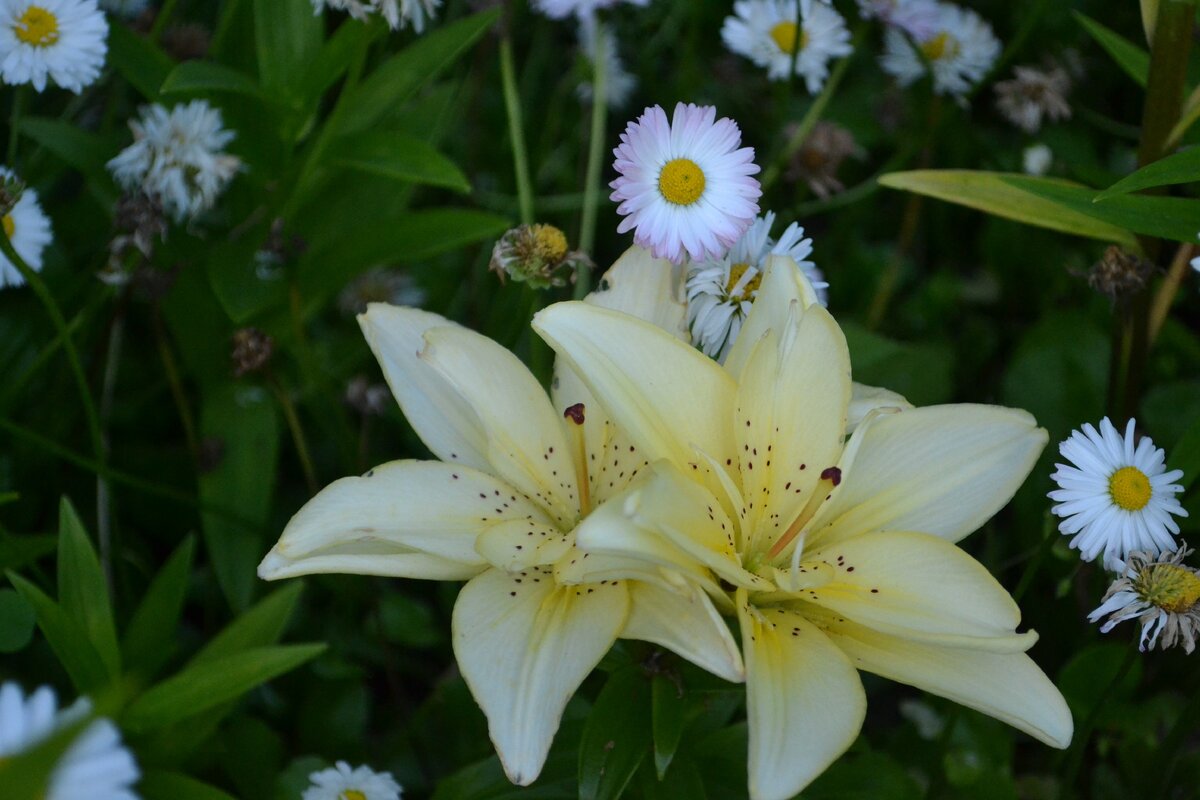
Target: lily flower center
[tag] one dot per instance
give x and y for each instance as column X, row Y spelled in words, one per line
column 1130, row 488
column 575, row 415
column 37, row 27
column 744, row 280
column 681, row 181
column 1168, row 586
column 830, row 478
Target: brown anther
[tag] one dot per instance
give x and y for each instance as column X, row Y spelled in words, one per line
column 574, row 413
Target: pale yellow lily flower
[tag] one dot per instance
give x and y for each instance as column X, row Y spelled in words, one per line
column 517, row 473
column 838, row 552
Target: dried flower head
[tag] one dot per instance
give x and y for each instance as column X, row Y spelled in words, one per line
column 252, row 350
column 1162, row 593
column 820, row 157
column 1119, row 273
column 538, row 255
column 1034, row 95
column 140, row 224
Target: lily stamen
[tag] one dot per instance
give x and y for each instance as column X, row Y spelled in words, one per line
column 575, row 414
column 830, row 478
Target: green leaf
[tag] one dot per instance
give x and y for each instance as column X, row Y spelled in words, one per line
column 923, row 372
column 66, row 637
column 259, row 626
column 243, row 288
column 414, row 236
column 348, row 43
column 1132, row 59
column 138, row 60
column 616, row 736
column 17, row 551
column 1186, row 456
column 667, row 710
column 864, row 775
column 244, row 421
column 397, row 156
column 398, row 78
column 85, row 151
column 162, row 785
column 994, row 193
column 287, row 36
column 1182, row 167
column 203, row 686
column 82, row 588
column 17, row 621
column 150, row 637
column 198, row 77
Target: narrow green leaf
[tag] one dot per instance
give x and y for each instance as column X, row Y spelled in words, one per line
column 1129, row 57
column 616, row 736
column 162, row 785
column 87, row 152
column 197, row 77
column 138, row 60
column 1186, row 456
column 17, row 621
column 993, row 193
column 287, row 37
column 348, row 43
column 203, row 686
column 259, row 626
column 17, row 551
column 82, row 589
column 1182, row 167
column 150, row 637
column 398, row 78
column 397, row 156
column 667, row 710
column 66, row 638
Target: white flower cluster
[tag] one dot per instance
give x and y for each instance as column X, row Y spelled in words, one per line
column 62, row 41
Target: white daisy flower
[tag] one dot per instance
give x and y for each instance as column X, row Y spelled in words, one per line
column 765, row 31
column 960, row 49
column 685, row 187
column 125, row 8
column 58, row 40
column 1162, row 593
column 177, row 157
column 721, row 292
column 916, row 17
column 618, row 82
column 1118, row 497
column 343, row 783
column 94, row 767
column 28, row 228
column 398, row 13
column 561, row 9
column 1037, row 159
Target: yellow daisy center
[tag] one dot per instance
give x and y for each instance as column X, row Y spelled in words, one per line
column 10, row 227
column 681, row 182
column 37, row 27
column 352, row 794
column 1129, row 488
column 940, row 46
column 1169, row 586
column 784, row 36
column 549, row 243
column 735, row 274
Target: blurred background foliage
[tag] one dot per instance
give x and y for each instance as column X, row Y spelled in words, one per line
column 379, row 167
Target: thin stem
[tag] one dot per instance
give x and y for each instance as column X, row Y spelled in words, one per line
column 591, row 192
column 171, row 369
column 1161, row 306
column 20, row 95
column 1049, row 537
column 516, row 130
column 108, row 386
column 161, row 20
column 297, row 431
column 1074, row 756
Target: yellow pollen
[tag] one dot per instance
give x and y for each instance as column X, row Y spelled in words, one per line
column 735, row 274
column 1169, row 586
column 10, row 227
column 37, row 27
column 549, row 243
column 352, row 794
column 784, row 36
column 681, row 182
column 941, row 46
column 1129, row 488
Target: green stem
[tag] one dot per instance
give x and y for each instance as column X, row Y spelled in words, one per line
column 1074, row 756
column 108, row 386
column 161, row 20
column 20, row 95
column 297, row 431
column 171, row 369
column 1049, row 537
column 592, row 189
column 516, row 130
column 1172, row 746
column 60, row 325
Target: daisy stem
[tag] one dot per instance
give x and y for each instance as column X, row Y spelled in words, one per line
column 1074, row 756
column 14, row 123
column 170, row 367
column 1049, row 536
column 161, row 19
column 516, row 130
column 108, row 387
column 297, row 431
column 591, row 191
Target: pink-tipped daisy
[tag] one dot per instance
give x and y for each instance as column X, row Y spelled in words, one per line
column 685, row 187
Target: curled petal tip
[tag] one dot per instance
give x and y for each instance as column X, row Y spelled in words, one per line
column 273, row 564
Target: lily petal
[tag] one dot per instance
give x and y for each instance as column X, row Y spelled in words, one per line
column 804, row 700
column 646, row 287
column 943, row 470
column 524, row 645
column 866, row 399
column 526, row 444
column 783, row 285
column 918, row 586
column 444, row 421
column 412, row 519
column 1007, row 686
column 686, row 622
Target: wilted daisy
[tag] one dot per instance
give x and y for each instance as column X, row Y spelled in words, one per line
column 560, row 9
column 1118, row 497
column 177, row 157
column 766, row 32
column 685, row 187
column 1033, row 95
column 96, row 766
column 960, row 49
column 599, row 43
column 27, row 227
column 821, row 155
column 721, row 292
column 58, row 40
column 1037, row 159
column 537, row 255
column 343, row 783
column 1162, row 593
